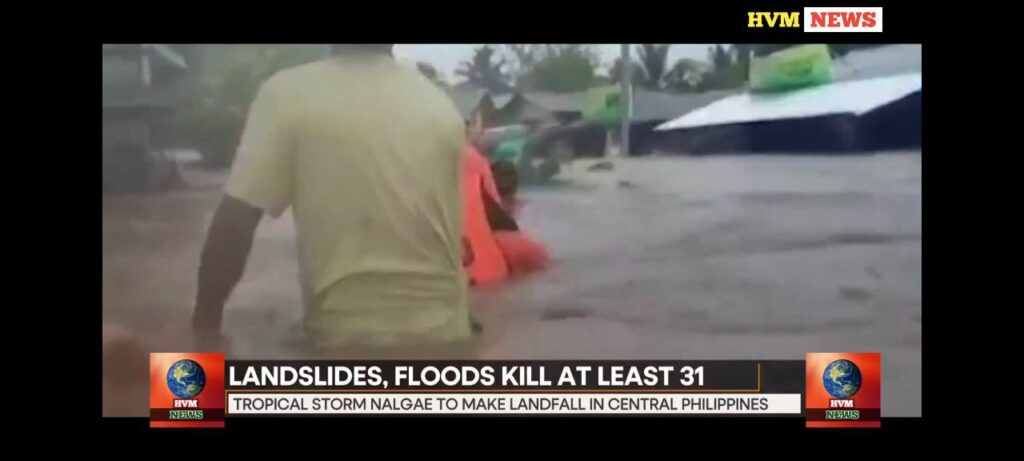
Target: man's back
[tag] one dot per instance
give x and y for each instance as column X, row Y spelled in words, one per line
column 367, row 153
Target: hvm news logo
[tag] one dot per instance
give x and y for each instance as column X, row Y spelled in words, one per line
column 186, row 390
column 821, row 19
column 844, row 390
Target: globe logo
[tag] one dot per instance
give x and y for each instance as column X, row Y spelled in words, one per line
column 842, row 379
column 186, row 379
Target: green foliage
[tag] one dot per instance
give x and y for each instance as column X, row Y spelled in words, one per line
column 523, row 59
column 222, row 82
column 726, row 70
column 686, row 76
column 563, row 69
column 637, row 73
column 795, row 67
column 483, row 71
column 654, row 59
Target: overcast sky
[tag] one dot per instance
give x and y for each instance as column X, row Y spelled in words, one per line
column 447, row 57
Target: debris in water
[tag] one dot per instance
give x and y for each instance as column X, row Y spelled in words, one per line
column 563, row 314
column 854, row 294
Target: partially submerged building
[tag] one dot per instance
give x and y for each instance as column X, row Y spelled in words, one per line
column 139, row 82
column 564, row 116
column 873, row 103
column 592, row 136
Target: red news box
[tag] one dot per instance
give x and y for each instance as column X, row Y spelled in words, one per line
column 844, row 389
column 186, row 390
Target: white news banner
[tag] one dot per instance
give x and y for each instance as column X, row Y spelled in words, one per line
column 274, row 403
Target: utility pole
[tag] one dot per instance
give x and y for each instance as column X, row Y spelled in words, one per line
column 625, row 82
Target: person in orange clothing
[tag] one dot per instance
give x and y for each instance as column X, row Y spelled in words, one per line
column 497, row 246
column 522, row 254
column 487, row 264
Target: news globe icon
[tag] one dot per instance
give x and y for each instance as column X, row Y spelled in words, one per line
column 186, row 379
column 842, row 379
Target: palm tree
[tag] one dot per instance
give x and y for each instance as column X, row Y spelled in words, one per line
column 524, row 58
column 638, row 77
column 480, row 71
column 654, row 59
column 719, row 57
column 743, row 53
column 432, row 74
column 725, row 72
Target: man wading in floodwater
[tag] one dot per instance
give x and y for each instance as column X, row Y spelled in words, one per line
column 366, row 152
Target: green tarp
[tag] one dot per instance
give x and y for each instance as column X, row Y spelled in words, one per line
column 603, row 105
column 509, row 150
column 791, row 68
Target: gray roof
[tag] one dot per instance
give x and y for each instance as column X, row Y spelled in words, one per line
column 650, row 106
column 853, row 97
column 556, row 102
column 882, row 61
column 122, row 77
column 521, row 109
column 161, row 53
column 467, row 99
column 647, row 105
column 863, row 79
column 500, row 100
column 167, row 54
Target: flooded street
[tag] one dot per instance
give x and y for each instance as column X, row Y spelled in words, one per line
column 723, row 257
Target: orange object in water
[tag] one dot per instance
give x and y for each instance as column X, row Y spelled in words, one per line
column 521, row 252
column 488, row 264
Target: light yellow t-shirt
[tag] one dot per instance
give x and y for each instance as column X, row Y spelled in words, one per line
column 367, row 153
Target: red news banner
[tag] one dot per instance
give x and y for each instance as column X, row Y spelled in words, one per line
column 200, row 390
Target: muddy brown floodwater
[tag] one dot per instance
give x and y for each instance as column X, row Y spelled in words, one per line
column 723, row 257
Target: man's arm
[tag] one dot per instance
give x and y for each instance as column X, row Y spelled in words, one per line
column 260, row 181
column 222, row 263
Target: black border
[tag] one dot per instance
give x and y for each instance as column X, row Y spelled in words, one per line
column 710, row 21
column 718, row 21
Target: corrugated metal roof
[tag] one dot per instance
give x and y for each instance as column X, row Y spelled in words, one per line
column 556, row 102
column 849, row 97
column 650, row 106
column 166, row 53
column 500, row 100
column 878, row 62
column 467, row 99
column 523, row 109
column 122, row 79
column 647, row 105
